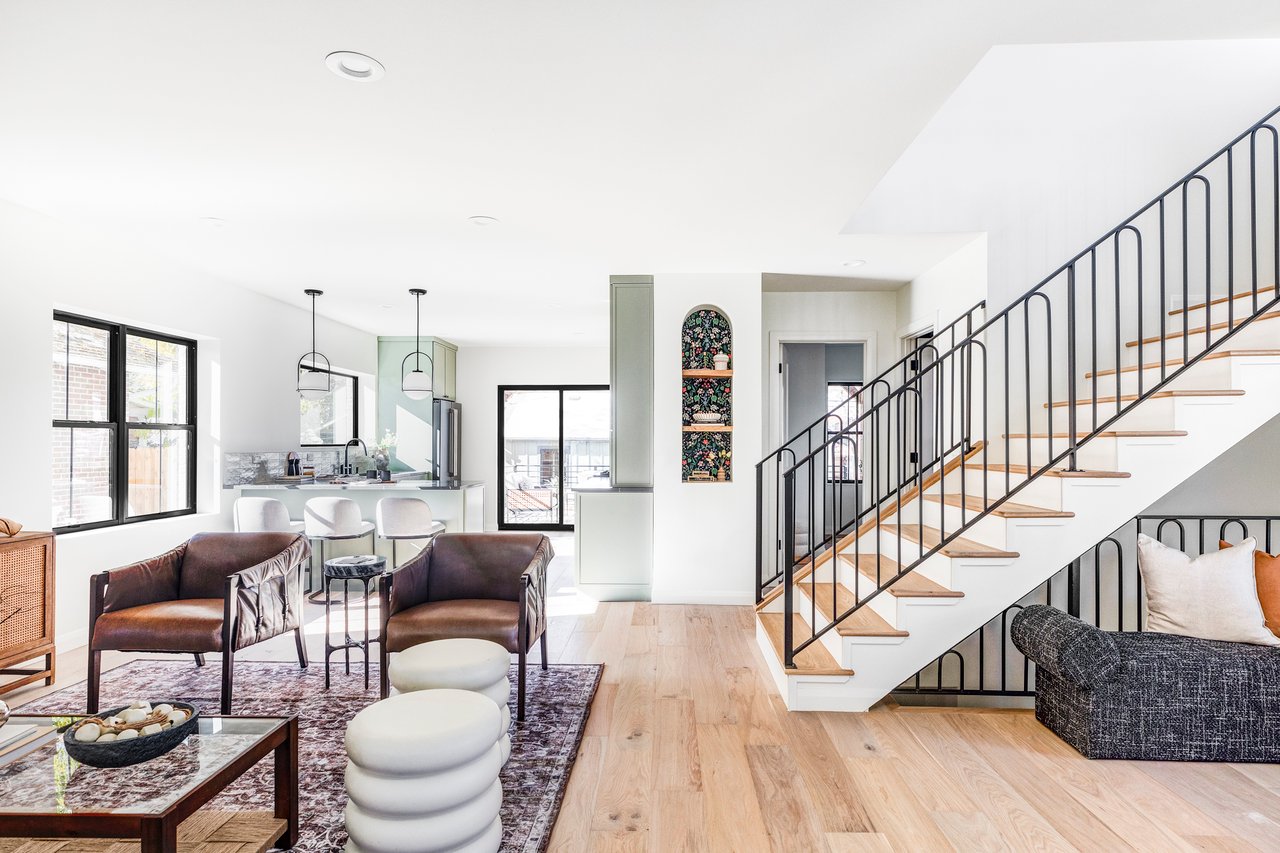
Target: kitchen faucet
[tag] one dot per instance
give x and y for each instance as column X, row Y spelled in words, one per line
column 348, row 469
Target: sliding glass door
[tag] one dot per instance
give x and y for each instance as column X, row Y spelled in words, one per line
column 552, row 439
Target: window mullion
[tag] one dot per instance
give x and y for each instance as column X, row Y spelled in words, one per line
column 120, row 434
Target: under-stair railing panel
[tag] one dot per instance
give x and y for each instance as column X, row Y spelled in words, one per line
column 1088, row 352
column 1103, row 586
column 769, row 553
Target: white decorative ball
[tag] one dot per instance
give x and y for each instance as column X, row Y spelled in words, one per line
column 127, row 734
column 146, row 706
column 163, row 709
column 134, row 715
column 88, row 732
column 106, row 737
column 177, row 717
column 153, row 729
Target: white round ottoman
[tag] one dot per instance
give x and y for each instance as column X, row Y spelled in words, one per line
column 422, row 774
column 460, row 664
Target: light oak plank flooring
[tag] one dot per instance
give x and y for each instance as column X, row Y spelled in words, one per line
column 689, row 748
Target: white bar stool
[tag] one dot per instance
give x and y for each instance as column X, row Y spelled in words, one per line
column 263, row 515
column 329, row 519
column 405, row 518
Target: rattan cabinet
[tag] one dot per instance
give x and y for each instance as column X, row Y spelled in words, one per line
column 26, row 609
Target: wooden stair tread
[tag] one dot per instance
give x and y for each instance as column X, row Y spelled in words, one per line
column 1174, row 362
column 911, row 585
column 1008, row 509
column 814, row 659
column 1176, row 392
column 1023, row 470
column 1174, row 336
column 863, row 622
column 1113, row 433
column 1221, row 299
column 959, row 547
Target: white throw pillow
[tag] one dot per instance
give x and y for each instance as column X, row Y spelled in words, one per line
column 1213, row 597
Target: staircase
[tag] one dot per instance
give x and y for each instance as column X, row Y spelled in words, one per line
column 1023, row 439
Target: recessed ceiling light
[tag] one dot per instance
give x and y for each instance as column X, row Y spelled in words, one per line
column 482, row 221
column 215, row 221
column 355, row 66
column 857, row 262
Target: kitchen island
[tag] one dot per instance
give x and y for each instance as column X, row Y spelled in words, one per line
column 459, row 505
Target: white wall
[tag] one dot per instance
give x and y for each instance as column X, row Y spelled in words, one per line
column 945, row 291
column 870, row 316
column 704, row 540
column 482, row 369
column 247, row 346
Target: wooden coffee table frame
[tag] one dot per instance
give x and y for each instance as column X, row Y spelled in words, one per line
column 158, row 833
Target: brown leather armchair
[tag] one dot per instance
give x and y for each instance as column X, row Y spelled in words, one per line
column 218, row 592
column 488, row 586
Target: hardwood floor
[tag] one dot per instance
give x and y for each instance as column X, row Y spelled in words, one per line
column 689, row 748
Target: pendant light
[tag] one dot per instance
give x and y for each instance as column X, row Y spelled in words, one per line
column 416, row 384
column 314, row 381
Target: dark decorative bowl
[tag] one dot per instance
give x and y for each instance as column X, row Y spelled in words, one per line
column 124, row 753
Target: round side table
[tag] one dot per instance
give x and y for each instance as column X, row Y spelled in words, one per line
column 367, row 569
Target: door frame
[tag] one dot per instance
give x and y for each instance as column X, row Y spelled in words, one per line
column 559, row 524
column 777, row 402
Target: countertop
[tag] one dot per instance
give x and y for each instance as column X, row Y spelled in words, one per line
column 369, row 486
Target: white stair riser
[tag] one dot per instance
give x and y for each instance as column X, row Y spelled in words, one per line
column 1044, row 492
column 990, row 530
column 1241, row 307
column 1260, row 334
column 1099, row 453
column 1213, row 374
column 1155, row 414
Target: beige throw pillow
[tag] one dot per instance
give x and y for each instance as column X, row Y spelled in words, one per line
column 1213, row 597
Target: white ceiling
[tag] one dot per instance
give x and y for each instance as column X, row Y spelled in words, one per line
column 608, row 138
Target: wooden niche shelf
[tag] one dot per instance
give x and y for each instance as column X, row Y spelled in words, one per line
column 706, row 448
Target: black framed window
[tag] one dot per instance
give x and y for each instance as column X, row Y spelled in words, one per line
column 333, row 418
column 844, row 459
column 552, row 440
column 124, row 443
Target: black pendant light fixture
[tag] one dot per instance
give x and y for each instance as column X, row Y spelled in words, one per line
column 314, row 380
column 416, row 384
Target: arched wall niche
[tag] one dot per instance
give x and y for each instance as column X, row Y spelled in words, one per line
column 706, row 388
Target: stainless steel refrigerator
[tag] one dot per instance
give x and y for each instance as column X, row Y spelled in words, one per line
column 446, row 424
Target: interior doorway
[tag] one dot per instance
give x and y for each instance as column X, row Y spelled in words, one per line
column 821, row 406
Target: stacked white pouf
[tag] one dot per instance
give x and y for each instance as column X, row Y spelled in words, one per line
column 478, row 666
column 422, row 774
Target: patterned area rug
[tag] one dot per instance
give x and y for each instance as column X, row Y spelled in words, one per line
column 543, row 748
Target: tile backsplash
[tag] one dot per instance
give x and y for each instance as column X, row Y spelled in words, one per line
column 239, row 469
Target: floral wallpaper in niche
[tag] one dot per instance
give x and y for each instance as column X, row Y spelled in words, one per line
column 706, row 452
column 705, row 333
column 707, row 395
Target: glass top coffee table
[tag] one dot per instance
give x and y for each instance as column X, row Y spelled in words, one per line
column 46, row 794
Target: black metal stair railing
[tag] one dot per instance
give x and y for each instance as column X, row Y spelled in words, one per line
column 1102, row 586
column 769, row 566
column 1213, row 235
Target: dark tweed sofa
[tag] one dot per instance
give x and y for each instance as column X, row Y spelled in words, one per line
column 1151, row 696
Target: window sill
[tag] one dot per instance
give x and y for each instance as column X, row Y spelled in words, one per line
column 149, row 524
